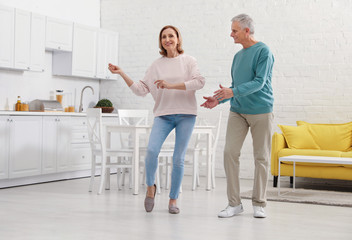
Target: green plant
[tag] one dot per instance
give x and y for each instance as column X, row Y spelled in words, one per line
column 104, row 103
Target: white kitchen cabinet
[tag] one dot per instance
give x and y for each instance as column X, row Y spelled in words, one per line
column 81, row 153
column 63, row 146
column 107, row 52
column 37, row 50
column 7, row 36
column 4, row 153
column 81, row 62
column 58, row 34
column 56, row 144
column 25, row 146
column 22, row 39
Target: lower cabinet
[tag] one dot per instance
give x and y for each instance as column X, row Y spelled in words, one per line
column 25, row 138
column 4, row 153
column 80, row 146
column 56, row 144
column 32, row 146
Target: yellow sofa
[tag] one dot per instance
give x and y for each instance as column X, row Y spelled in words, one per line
column 330, row 140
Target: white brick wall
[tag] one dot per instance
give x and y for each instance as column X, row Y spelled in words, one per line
column 311, row 42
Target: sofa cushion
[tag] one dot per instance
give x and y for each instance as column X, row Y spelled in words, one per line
column 331, row 136
column 298, row 137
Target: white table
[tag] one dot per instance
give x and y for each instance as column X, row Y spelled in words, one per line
column 310, row 159
column 138, row 130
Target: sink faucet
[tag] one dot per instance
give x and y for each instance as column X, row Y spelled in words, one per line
column 80, row 103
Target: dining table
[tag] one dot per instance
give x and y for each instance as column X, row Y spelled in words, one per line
column 136, row 131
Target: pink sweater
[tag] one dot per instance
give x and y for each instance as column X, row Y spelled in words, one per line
column 182, row 68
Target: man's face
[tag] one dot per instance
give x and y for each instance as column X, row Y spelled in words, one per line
column 237, row 33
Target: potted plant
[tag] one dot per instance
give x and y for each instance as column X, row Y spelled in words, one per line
column 105, row 105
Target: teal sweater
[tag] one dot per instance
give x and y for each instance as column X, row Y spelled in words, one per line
column 251, row 80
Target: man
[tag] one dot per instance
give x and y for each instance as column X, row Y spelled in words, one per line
column 251, row 99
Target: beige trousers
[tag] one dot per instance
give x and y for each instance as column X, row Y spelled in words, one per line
column 237, row 129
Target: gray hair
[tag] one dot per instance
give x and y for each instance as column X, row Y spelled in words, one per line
column 245, row 22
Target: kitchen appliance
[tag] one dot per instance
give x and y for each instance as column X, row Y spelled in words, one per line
column 39, row 105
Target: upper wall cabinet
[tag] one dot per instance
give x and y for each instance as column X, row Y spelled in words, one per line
column 58, row 34
column 37, row 59
column 107, row 52
column 21, row 40
column 81, row 62
column 7, row 36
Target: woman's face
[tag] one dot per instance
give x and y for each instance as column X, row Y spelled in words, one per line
column 169, row 39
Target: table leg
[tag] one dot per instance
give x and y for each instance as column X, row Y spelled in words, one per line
column 278, row 180
column 294, row 175
column 209, row 144
column 135, row 171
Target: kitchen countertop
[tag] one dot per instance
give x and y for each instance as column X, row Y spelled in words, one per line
column 22, row 113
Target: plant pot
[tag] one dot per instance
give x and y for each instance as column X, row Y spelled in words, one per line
column 106, row 109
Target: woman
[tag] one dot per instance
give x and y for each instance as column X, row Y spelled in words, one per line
column 172, row 80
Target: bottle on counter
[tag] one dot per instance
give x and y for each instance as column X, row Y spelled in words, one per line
column 18, row 104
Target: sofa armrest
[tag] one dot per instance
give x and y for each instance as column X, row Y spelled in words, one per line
column 278, row 142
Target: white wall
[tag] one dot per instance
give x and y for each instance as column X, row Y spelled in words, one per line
column 311, row 42
column 35, row 85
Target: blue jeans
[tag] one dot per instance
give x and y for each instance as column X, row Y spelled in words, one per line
column 163, row 125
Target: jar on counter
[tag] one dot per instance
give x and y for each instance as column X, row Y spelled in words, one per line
column 25, row 106
column 59, row 95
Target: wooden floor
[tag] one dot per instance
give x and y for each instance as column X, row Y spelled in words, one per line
column 66, row 210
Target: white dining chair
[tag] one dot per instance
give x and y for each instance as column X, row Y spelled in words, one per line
column 199, row 151
column 100, row 151
column 132, row 117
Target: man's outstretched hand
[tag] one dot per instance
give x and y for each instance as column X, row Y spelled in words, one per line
column 223, row 93
column 210, row 102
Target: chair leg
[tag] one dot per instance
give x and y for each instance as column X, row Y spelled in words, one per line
column 102, row 175
column 107, row 179
column 157, row 180
column 213, row 171
column 143, row 179
column 168, row 172
column 195, row 170
column 118, row 174
column 198, row 181
column 92, row 174
column 120, row 177
column 130, row 178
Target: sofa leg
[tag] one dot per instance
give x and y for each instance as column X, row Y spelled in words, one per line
column 275, row 181
column 291, row 182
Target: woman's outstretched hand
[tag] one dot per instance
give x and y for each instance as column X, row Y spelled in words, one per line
column 210, row 102
column 114, row 69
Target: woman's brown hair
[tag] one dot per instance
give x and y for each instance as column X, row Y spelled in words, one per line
column 179, row 45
